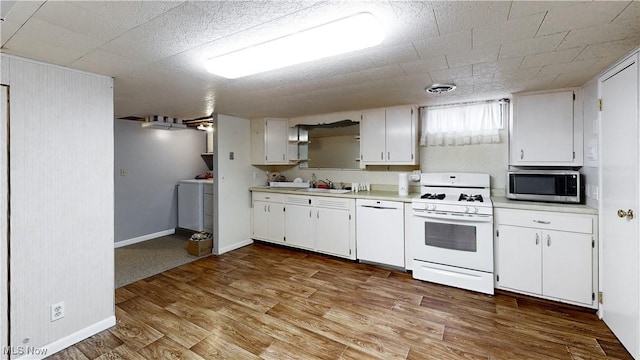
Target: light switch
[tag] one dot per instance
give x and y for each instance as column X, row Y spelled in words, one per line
column 231, row 155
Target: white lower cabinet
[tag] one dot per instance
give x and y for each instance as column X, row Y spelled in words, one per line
column 335, row 227
column 268, row 217
column 321, row 224
column 547, row 254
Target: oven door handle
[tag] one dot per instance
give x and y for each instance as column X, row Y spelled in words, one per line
column 452, row 216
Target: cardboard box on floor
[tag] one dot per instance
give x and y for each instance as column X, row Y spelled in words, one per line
column 200, row 248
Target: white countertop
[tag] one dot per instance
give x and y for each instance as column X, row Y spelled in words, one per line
column 197, row 181
column 374, row 194
column 503, row 202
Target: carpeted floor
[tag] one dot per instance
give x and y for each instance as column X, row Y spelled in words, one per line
column 151, row 257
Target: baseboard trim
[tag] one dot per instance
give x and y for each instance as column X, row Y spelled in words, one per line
column 144, row 238
column 234, row 246
column 72, row 339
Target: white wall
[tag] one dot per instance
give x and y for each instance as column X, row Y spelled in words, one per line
column 154, row 160
column 591, row 115
column 61, row 181
column 232, row 179
column 486, row 158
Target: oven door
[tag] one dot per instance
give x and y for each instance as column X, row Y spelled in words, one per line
column 459, row 240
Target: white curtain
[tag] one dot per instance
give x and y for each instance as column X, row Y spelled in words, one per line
column 462, row 124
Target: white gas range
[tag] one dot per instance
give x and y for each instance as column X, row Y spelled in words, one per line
column 452, row 231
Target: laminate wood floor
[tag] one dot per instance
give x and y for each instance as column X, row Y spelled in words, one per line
column 268, row 302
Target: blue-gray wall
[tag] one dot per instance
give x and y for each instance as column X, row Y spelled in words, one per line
column 154, row 160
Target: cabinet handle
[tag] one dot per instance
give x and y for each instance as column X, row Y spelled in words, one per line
column 521, row 154
column 283, row 157
column 318, row 215
column 548, row 240
column 388, row 155
column 269, row 207
column 537, row 239
column 309, row 212
column 542, row 222
column 265, row 208
column 381, row 155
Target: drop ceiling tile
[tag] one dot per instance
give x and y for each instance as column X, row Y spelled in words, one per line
column 517, row 75
column 440, row 76
column 631, row 12
column 423, row 66
column 525, row 8
column 21, row 11
column 550, row 58
column 31, row 48
column 38, row 31
column 7, row 30
column 510, row 64
column 521, row 28
column 470, row 57
column 583, row 66
column 442, row 45
column 533, row 46
column 414, row 20
column 474, row 80
column 103, row 20
column 105, row 63
column 452, row 16
column 618, row 30
column 581, row 15
column 614, row 49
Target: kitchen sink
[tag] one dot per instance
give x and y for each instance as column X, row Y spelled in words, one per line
column 325, row 191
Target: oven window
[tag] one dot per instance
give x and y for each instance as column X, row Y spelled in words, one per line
column 450, row 236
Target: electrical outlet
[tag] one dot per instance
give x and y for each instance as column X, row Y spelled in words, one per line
column 57, row 311
column 231, row 155
column 123, row 172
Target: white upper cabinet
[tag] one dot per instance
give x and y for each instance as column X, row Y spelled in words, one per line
column 269, row 141
column 389, row 136
column 546, row 129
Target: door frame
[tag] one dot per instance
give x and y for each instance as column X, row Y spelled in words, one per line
column 4, row 220
column 609, row 73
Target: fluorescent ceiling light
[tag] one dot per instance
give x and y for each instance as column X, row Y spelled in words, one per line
column 348, row 34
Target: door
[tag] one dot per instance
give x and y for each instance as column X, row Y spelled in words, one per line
column 333, row 232
column 298, row 226
column 399, row 139
column 372, row 136
column 4, row 203
column 567, row 269
column 275, row 216
column 543, row 128
column 520, row 262
column 260, row 220
column 619, row 191
column 276, row 140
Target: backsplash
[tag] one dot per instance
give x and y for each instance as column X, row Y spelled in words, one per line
column 483, row 158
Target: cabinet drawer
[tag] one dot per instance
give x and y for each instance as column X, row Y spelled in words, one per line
column 546, row 220
column 271, row 197
column 298, row 200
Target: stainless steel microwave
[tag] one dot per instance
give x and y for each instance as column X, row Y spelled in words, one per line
column 563, row 186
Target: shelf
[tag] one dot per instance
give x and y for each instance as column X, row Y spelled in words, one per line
column 206, row 154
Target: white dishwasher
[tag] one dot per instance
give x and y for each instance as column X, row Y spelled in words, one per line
column 380, row 232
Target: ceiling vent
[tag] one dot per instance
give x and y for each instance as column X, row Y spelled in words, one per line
column 440, row 88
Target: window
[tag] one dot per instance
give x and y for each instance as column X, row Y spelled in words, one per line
column 463, row 124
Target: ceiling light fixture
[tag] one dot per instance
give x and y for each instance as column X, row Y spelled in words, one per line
column 440, row 88
column 348, row 34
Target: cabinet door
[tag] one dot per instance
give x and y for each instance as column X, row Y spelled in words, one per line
column 567, row 266
column 333, row 232
column 372, row 137
column 299, row 229
column 543, row 129
column 276, row 141
column 519, row 254
column 399, row 135
column 260, row 220
column 275, row 217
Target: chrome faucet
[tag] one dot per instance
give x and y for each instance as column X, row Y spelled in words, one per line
column 329, row 183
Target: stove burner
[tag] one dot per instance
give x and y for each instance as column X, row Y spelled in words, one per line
column 433, row 196
column 470, row 198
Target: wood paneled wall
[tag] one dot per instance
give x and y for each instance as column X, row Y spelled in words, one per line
column 61, row 181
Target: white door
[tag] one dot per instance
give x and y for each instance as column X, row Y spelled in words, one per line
column 260, row 220
column 332, row 231
column 619, row 191
column 298, row 226
column 399, row 144
column 276, row 138
column 372, row 136
column 519, row 263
